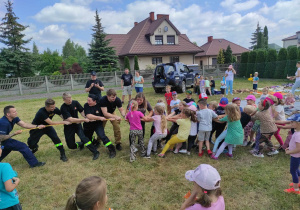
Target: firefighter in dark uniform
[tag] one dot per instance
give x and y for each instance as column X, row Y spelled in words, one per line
column 8, row 144
column 94, row 86
column 44, row 116
column 69, row 111
column 93, row 112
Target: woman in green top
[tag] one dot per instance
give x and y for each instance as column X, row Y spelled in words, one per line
column 138, row 81
column 235, row 131
column 207, row 85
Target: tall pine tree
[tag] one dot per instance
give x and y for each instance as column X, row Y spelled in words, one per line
column 100, row 54
column 228, row 55
column 220, row 58
column 266, row 37
column 255, row 37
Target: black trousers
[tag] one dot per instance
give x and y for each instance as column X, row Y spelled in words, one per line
column 218, row 128
column 173, row 130
column 36, row 134
column 15, row 207
column 90, row 128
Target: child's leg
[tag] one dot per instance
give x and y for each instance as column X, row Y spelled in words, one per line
column 156, row 142
column 221, row 149
column 140, row 135
column 206, row 139
column 200, row 145
column 278, row 137
column 258, row 135
column 218, row 140
column 191, row 142
column 178, row 146
column 174, row 140
column 132, row 136
column 230, row 146
column 151, row 143
column 252, row 132
column 294, row 170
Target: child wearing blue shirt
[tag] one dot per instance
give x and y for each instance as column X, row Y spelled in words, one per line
column 255, row 81
column 223, row 86
column 9, row 198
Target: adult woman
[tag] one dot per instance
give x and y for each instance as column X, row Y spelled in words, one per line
column 229, row 74
column 297, row 77
column 138, row 82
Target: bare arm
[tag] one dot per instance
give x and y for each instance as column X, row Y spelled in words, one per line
column 109, row 115
column 94, row 117
column 297, row 150
column 5, row 137
column 50, row 122
column 29, row 125
column 142, row 80
column 77, row 120
column 10, row 186
column 150, row 114
column 89, row 88
column 122, row 82
column 122, row 111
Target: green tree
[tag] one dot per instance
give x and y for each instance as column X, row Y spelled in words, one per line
column 126, row 63
column 266, row 37
column 70, row 61
column 228, row 55
column 68, row 49
column 100, row 54
column 260, row 62
column 260, row 41
column 281, row 63
column 220, row 58
column 15, row 59
column 51, row 62
column 299, row 53
column 251, row 63
column 36, row 59
column 271, row 59
column 243, row 66
column 109, row 69
column 255, row 37
column 292, row 56
column 136, row 63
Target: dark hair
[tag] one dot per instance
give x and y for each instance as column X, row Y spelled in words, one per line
column 280, row 101
column 141, row 95
column 202, row 101
column 6, row 109
column 93, row 97
column 266, row 104
column 49, row 102
column 193, row 116
column 111, row 92
column 204, row 200
column 298, row 62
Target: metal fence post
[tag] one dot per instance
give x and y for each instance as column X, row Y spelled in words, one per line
column 116, row 78
column 47, row 85
column 72, row 83
column 20, row 86
column 203, row 70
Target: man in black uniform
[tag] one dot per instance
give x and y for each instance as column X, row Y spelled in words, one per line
column 44, row 116
column 94, row 86
column 69, row 111
column 93, row 112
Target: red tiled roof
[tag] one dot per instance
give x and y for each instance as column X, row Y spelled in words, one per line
column 136, row 41
column 290, row 38
column 213, row 47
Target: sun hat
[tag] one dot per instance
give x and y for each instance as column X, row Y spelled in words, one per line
column 250, row 97
column 278, row 95
column 295, row 117
column 235, row 99
column 223, row 102
column 174, row 93
column 189, row 92
column 93, row 73
column 205, row 176
column 193, row 108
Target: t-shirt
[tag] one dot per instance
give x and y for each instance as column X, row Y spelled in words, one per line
column 111, row 106
column 7, row 199
column 223, row 84
column 168, row 97
column 43, row 114
column 94, row 90
column 138, row 79
column 184, row 128
column 241, row 109
column 235, row 131
column 229, row 75
column 127, row 79
column 292, row 145
column 205, row 117
column 207, row 83
column 188, row 100
column 245, row 119
column 134, row 119
column 157, row 124
column 194, row 129
column 173, row 103
column 255, row 80
column 94, row 110
column 71, row 110
column 6, row 126
column 267, row 124
column 281, row 114
column 142, row 109
column 218, row 205
column 213, row 84
column 297, row 78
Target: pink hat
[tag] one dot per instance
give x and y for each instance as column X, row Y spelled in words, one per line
column 278, row 95
column 251, row 97
column 230, row 66
column 193, row 108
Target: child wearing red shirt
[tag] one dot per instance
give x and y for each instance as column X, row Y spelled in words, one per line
column 168, row 96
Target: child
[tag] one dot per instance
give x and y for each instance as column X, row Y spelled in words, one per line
column 235, row 130
column 247, row 130
column 188, row 98
column 160, row 124
column 267, row 127
column 9, row 198
column 168, row 97
column 223, row 86
column 202, row 84
column 289, row 100
column 207, row 86
column 204, row 117
column 134, row 118
column 294, row 151
column 237, row 101
column 265, row 92
column 279, row 115
column 183, row 131
column 175, row 102
column 207, row 194
column 255, row 82
column 212, row 85
column 213, row 105
column 197, row 84
column 89, row 194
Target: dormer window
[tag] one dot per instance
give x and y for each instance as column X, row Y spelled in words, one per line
column 159, row 40
column 171, row 39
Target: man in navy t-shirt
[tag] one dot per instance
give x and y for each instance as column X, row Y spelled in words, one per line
column 94, row 86
column 126, row 84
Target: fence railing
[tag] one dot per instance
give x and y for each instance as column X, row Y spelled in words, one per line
column 53, row 83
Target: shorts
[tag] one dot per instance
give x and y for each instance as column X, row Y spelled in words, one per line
column 254, row 86
column 127, row 90
column 203, row 135
column 222, row 90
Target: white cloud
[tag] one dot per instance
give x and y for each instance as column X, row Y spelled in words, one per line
column 234, row 6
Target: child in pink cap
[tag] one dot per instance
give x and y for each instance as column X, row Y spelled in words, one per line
column 279, row 115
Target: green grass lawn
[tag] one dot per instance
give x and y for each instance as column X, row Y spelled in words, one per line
column 247, row 182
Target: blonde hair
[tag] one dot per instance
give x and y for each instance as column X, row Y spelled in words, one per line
column 280, row 101
column 206, row 78
column 214, row 104
column 160, row 110
column 249, row 109
column 273, row 98
column 233, row 112
column 168, row 87
column 66, row 95
column 88, row 192
column 256, row 73
column 160, row 101
column 265, row 89
column 133, row 105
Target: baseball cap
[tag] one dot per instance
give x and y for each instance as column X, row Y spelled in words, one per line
column 93, row 73
column 205, row 176
column 278, row 95
column 189, row 92
column 193, row 108
column 295, row 117
column 174, row 93
column 223, row 102
column 236, row 99
column 251, row 97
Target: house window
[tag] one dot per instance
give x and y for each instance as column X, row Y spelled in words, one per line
column 158, row 40
column 156, row 60
column 214, row 61
column 174, row 59
column 171, row 39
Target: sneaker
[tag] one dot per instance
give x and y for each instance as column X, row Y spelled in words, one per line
column 292, row 184
column 249, row 143
column 275, row 152
column 254, row 151
column 188, row 153
column 135, row 150
column 200, row 154
column 119, row 147
column 38, row 164
column 161, row 155
column 63, row 158
column 245, row 143
column 214, row 157
column 112, row 151
column 258, row 155
column 229, row 155
column 175, row 151
column 292, row 190
column 183, row 151
column 209, row 152
column 147, row 156
column 96, row 155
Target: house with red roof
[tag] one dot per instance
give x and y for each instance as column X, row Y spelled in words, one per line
column 211, row 50
column 292, row 40
column 154, row 41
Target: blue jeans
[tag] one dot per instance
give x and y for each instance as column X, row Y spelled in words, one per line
column 212, row 89
column 139, row 89
column 229, row 84
column 294, row 169
column 219, row 139
column 295, row 86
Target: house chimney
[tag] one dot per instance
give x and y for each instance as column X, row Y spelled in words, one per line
column 162, row 15
column 209, row 39
column 151, row 16
column 135, row 23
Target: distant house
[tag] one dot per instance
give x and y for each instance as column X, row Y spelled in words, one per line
column 274, row 46
column 292, row 40
column 154, row 41
column 212, row 48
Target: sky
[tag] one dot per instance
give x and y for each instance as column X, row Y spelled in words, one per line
column 52, row 22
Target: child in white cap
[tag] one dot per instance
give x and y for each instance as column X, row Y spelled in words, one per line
column 207, row 194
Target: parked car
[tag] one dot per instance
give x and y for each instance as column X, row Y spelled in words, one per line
column 195, row 68
column 177, row 75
